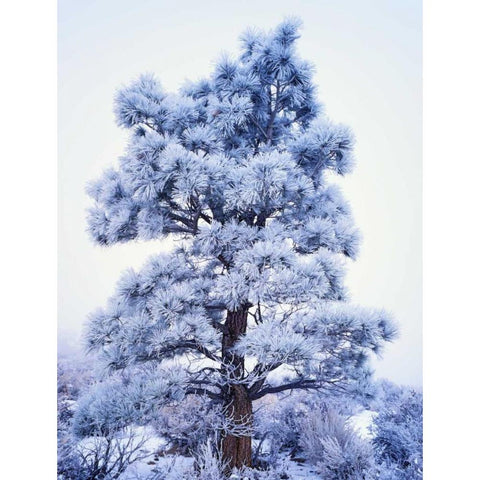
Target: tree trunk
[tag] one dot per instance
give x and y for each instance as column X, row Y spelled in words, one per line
column 237, row 441
column 237, row 445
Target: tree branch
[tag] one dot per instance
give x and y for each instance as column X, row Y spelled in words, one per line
column 203, row 391
column 188, row 344
column 301, row 384
column 261, row 370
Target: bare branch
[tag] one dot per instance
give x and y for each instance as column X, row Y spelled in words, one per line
column 203, row 391
column 301, row 384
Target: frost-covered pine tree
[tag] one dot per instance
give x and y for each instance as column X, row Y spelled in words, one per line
column 252, row 303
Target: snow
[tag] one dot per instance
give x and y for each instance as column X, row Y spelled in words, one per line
column 182, row 465
column 145, row 468
column 361, row 423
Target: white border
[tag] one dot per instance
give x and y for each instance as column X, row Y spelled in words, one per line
column 451, row 235
column 28, row 222
column 451, row 260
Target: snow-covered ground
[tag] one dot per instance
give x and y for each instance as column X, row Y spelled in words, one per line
column 145, row 469
column 155, row 458
column 182, row 465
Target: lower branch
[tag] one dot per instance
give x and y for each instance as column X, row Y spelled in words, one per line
column 301, row 384
column 203, row 391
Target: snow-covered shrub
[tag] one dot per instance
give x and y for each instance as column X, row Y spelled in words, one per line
column 208, row 463
column 99, row 457
column 73, row 377
column 279, row 421
column 110, row 407
column 390, row 472
column 398, row 432
column 334, row 447
column 69, row 465
column 92, row 444
column 188, row 425
column 349, row 460
column 276, row 427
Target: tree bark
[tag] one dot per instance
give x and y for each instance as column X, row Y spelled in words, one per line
column 237, row 446
column 236, row 443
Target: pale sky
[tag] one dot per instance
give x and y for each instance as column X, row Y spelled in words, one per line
column 369, row 75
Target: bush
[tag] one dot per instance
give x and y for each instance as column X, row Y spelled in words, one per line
column 106, row 452
column 279, row 421
column 106, row 408
column 73, row 376
column 277, row 427
column 349, row 460
column 98, row 457
column 188, row 426
column 69, row 466
column 208, row 463
column 334, row 447
column 398, row 432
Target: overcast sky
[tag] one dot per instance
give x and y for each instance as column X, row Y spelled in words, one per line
column 367, row 56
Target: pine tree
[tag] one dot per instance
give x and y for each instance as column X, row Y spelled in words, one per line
column 237, row 166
